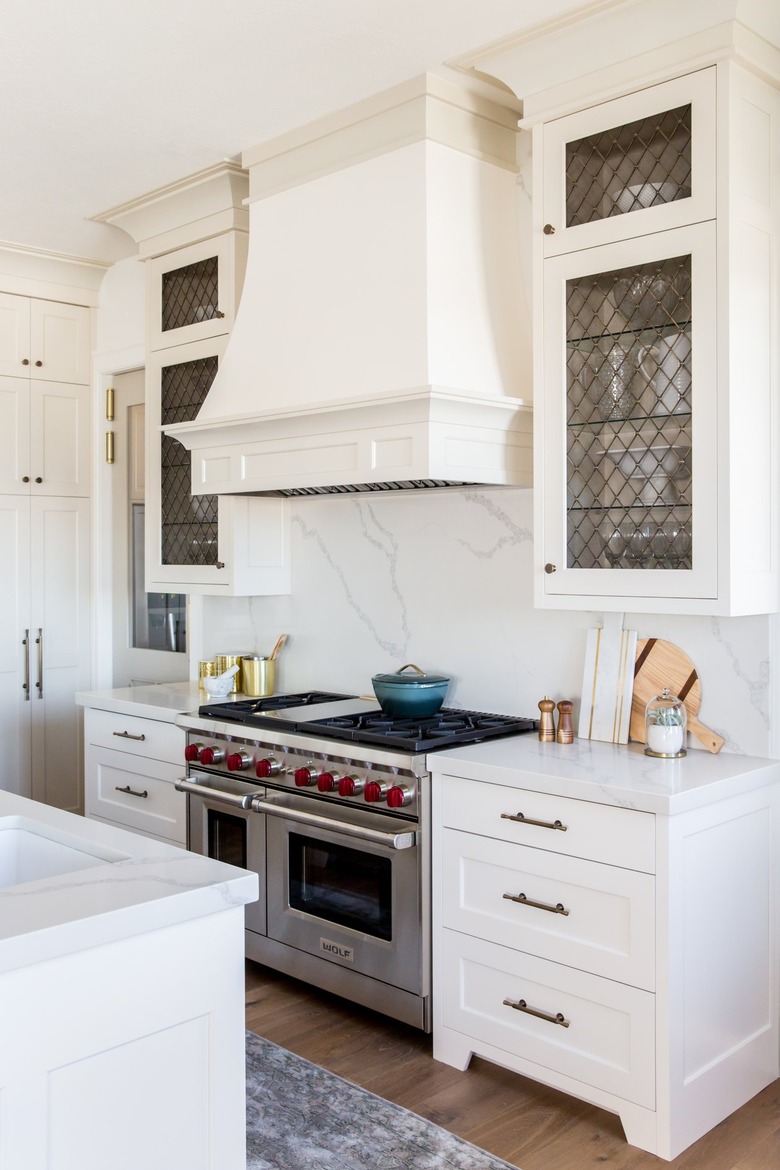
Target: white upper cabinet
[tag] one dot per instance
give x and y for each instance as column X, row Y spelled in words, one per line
column 194, row 291
column 655, row 442
column 44, row 339
column 637, row 165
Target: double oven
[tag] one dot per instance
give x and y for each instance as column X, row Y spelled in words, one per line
column 328, row 801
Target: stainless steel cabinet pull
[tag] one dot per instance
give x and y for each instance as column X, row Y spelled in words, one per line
column 132, row 792
column 26, row 683
column 529, row 821
column 127, row 735
column 403, row 840
column 39, row 643
column 558, row 908
column 243, row 801
column 521, row 1006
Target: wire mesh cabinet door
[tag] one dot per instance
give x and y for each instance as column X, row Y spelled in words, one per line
column 633, row 166
column 630, row 419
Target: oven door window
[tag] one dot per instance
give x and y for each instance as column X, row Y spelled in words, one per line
column 348, row 887
column 227, row 838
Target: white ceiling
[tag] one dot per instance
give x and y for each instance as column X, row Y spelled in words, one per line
column 104, row 100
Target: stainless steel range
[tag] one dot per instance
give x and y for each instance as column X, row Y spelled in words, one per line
column 328, row 800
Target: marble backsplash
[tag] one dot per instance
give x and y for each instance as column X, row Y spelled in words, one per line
column 444, row 579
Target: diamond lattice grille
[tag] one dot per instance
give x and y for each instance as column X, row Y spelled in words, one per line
column 190, row 294
column 189, row 523
column 627, row 168
column 629, row 415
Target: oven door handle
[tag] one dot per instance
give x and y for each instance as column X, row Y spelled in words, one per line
column 393, row 840
column 244, row 801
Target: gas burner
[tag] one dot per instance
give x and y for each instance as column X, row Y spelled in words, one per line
column 448, row 728
column 241, row 710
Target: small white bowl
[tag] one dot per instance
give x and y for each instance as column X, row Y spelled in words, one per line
column 641, row 195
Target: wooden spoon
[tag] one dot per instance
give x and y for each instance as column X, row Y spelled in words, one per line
column 280, row 641
column 662, row 664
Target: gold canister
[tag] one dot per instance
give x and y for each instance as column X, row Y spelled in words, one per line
column 258, row 675
column 223, row 662
column 205, row 670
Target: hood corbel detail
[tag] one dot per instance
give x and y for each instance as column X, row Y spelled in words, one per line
column 377, row 342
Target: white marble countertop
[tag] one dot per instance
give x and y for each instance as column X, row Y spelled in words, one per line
column 609, row 773
column 163, row 701
column 129, row 884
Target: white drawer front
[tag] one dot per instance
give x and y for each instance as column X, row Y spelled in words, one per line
column 579, row 828
column 116, row 786
column 609, row 1041
column 140, row 737
column 140, row 832
column 605, row 924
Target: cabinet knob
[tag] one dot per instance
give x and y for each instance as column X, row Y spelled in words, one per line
column 548, row 568
column 39, row 363
column 25, row 479
column 38, row 479
column 548, row 229
column 25, row 361
column 220, row 564
column 219, row 313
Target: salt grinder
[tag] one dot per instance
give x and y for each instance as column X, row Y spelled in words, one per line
column 565, row 727
column 546, row 720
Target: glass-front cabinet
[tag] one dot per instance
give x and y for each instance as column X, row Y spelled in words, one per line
column 631, row 435
column 650, row 435
column 194, row 291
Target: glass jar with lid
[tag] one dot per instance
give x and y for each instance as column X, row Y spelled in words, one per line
column 666, row 722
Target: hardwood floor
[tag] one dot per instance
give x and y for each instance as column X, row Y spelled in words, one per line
column 527, row 1124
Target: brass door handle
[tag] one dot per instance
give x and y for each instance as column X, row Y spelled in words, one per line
column 521, row 1006
column 528, row 821
column 558, row 908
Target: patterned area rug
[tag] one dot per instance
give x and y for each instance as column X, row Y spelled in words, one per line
column 302, row 1117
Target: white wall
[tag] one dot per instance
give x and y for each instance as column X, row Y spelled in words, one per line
column 443, row 579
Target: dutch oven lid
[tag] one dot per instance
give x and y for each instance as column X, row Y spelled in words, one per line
column 420, row 679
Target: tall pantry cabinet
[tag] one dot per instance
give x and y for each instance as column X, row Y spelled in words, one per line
column 44, row 529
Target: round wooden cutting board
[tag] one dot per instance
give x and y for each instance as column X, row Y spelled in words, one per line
column 661, row 664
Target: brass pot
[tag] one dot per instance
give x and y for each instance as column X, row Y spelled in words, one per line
column 258, row 675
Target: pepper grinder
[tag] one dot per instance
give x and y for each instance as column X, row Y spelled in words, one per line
column 565, row 726
column 546, row 720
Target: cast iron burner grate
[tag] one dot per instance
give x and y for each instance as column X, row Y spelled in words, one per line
column 448, row 728
column 242, row 710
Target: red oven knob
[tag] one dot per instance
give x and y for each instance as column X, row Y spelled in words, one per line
column 267, row 767
column 192, row 752
column 238, row 760
column 350, row 786
column 374, row 791
column 326, row 782
column 211, row 755
column 304, row 777
column 398, row 796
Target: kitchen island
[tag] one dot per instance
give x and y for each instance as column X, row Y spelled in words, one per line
column 121, row 968
column 607, row 924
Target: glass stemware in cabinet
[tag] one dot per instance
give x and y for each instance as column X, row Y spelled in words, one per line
column 629, row 417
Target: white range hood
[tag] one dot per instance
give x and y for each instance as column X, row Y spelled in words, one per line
column 377, row 342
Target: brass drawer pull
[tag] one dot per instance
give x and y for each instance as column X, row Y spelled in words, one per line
column 558, row 908
column 528, row 821
column 132, row 792
column 127, row 735
column 521, row 1006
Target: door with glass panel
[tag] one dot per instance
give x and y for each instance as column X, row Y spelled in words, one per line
column 628, row 431
column 630, row 419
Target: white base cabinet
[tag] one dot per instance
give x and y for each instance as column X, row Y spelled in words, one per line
column 623, row 955
column 132, row 764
